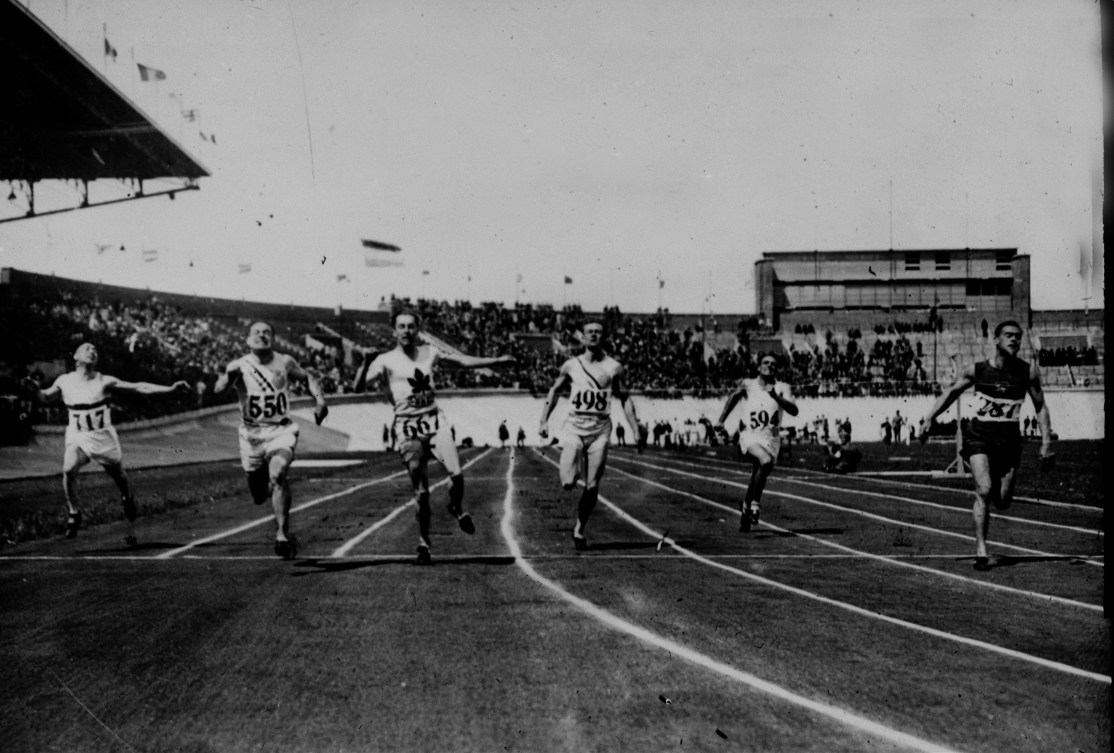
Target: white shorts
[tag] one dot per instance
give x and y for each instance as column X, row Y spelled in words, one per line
column 259, row 443
column 580, row 442
column 102, row 445
column 771, row 442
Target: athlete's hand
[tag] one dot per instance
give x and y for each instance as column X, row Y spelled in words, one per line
column 1048, row 460
column 507, row 359
column 926, row 426
column 320, row 412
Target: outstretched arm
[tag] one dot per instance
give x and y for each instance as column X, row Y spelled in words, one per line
column 472, row 362
column 146, row 388
column 966, row 380
column 50, row 394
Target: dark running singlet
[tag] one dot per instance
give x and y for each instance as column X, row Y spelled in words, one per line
column 995, row 405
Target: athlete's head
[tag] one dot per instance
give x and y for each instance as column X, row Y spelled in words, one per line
column 86, row 353
column 406, row 324
column 1007, row 336
column 261, row 336
column 767, row 364
column 593, row 334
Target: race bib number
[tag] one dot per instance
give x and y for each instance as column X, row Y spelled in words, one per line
column 763, row 419
column 989, row 409
column 417, row 428
column 271, row 407
column 91, row 420
column 592, row 401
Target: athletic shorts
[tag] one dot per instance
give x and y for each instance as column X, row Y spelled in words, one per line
column 771, row 441
column 430, row 435
column 259, row 443
column 101, row 445
column 1001, row 444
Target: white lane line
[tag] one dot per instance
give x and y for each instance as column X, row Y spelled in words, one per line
column 851, row 607
column 912, row 500
column 868, row 555
column 868, row 476
column 854, row 511
column 352, row 543
column 271, row 518
column 610, row 620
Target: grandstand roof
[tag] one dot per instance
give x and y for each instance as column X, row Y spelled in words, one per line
column 65, row 121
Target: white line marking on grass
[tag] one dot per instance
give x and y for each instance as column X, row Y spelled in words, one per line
column 853, row 511
column 851, row 607
column 352, row 543
column 859, row 554
column 610, row 620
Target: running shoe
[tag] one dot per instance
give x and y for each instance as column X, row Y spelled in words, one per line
column 1002, row 504
column 753, row 515
column 130, row 541
column 424, row 557
column 73, row 522
column 286, row 549
column 580, row 543
column 744, row 522
column 130, row 509
column 466, row 524
column 982, row 563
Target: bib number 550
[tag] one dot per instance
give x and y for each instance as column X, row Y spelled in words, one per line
column 266, row 406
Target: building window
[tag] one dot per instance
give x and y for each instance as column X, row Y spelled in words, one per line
column 912, row 261
column 1002, row 261
column 943, row 261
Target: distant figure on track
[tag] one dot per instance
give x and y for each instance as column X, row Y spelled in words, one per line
column 90, row 434
column 268, row 436
column 991, row 440
column 593, row 378
column 843, row 455
column 760, row 440
column 504, row 434
column 405, row 375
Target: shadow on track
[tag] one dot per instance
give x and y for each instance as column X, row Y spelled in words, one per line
column 319, row 566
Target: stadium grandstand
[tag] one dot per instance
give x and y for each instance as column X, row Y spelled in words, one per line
column 836, row 353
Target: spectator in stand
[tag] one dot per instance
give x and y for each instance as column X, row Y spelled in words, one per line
column 521, row 439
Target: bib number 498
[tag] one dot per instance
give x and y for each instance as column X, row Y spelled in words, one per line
column 590, row 400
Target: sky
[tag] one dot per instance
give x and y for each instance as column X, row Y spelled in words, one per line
column 649, row 151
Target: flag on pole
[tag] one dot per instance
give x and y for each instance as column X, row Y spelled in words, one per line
column 661, row 283
column 147, row 73
column 342, row 278
column 425, row 272
column 568, row 280
column 109, row 50
column 150, row 254
column 244, row 268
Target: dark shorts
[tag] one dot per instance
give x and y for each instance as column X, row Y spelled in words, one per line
column 1001, row 444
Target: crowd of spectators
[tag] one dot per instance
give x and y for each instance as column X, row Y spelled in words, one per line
column 151, row 340
column 1068, row 356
